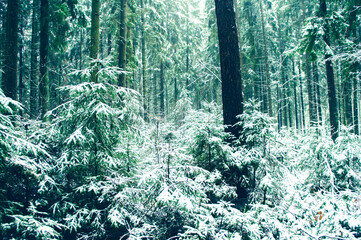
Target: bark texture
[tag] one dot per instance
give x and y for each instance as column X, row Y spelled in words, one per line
column 10, row 83
column 44, row 49
column 94, row 42
column 230, row 65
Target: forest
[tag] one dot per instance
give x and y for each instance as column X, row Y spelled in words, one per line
column 180, row 119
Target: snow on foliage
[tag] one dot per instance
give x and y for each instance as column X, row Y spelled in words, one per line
column 97, row 171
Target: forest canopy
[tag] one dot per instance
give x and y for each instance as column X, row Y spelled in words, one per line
column 180, row 119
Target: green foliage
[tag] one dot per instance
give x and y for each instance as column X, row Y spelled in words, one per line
column 313, row 33
column 23, row 163
column 110, row 175
column 91, row 134
column 60, row 20
column 96, row 170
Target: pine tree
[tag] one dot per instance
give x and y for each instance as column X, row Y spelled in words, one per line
column 10, row 80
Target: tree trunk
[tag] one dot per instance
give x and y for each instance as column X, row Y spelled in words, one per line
column 9, row 82
column 123, row 42
column 301, row 98
column 109, row 43
column 94, row 42
column 155, row 95
column 296, row 104
column 81, row 60
column 295, row 97
column 283, row 88
column 44, row 48
column 347, row 95
column 310, row 91
column 230, row 65
column 331, row 88
column 354, row 65
column 279, row 112
column 355, row 106
column 175, row 91
column 161, row 88
column 317, row 92
column 187, row 47
column 145, row 98
column 268, row 84
column 21, row 80
column 289, row 109
column 34, row 60
column 2, row 38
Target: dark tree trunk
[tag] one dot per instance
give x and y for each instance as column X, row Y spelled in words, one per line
column 101, row 44
column 9, row 82
column 161, row 90
column 2, row 36
column 21, row 70
column 354, row 65
column 123, row 42
column 34, row 60
column 355, row 106
column 109, row 43
column 81, row 61
column 175, row 92
column 230, row 65
column 347, row 96
column 283, row 104
column 301, row 98
column 94, row 43
column 295, row 95
column 331, row 88
column 44, row 48
column 296, row 105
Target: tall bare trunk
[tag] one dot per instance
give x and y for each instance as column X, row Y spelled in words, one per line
column 94, row 38
column 331, row 88
column 34, row 60
column 145, row 97
column 232, row 97
column 44, row 50
column 10, row 82
column 268, row 83
column 161, row 90
column 123, row 42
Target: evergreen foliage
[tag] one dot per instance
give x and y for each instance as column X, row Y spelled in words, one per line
column 152, row 158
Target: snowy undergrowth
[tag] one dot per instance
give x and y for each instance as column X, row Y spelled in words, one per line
column 97, row 171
